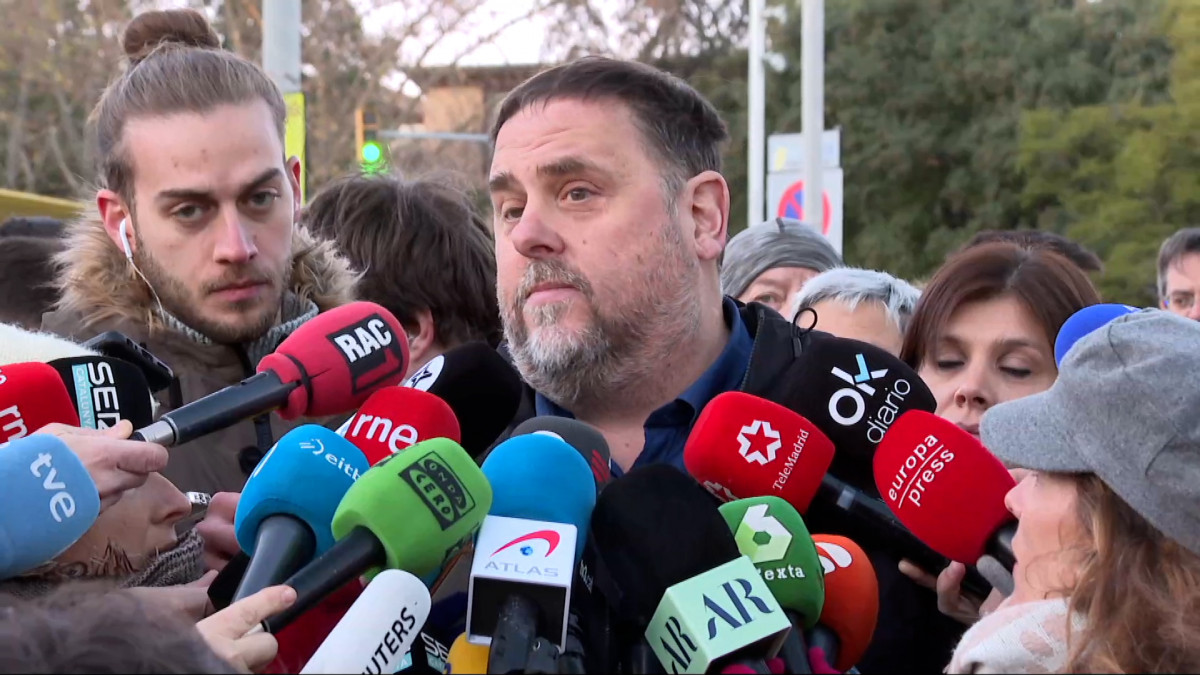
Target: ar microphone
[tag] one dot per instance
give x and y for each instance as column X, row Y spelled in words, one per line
column 1084, row 322
column 585, row 438
column 49, row 501
column 481, row 388
column 327, row 366
column 412, row 511
column 283, row 516
column 396, row 418
column 851, row 607
column 32, row 395
column 105, row 390
column 466, row 657
column 947, row 488
column 378, row 630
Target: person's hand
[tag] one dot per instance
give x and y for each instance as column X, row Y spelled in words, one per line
column 115, row 464
column 951, row 600
column 189, row 600
column 234, row 633
column 220, row 539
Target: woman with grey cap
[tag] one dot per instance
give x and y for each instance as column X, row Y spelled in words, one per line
column 1107, row 546
column 769, row 262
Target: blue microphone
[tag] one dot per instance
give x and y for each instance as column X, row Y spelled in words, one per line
column 48, row 500
column 285, row 515
column 1083, row 322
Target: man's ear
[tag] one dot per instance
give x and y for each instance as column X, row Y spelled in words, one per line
column 707, row 197
column 112, row 211
column 294, row 177
column 423, row 344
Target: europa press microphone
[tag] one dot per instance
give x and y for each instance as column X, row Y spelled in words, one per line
column 106, row 390
column 851, row 608
column 32, row 395
column 329, row 365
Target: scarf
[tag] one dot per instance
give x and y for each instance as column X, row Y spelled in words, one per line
column 1028, row 637
column 294, row 312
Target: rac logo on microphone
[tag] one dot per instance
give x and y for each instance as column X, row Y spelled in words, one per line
column 770, row 446
column 371, row 351
column 847, row 406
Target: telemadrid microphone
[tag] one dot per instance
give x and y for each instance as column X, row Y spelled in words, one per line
column 283, row 517
column 105, row 391
column 851, row 607
column 1084, row 322
column 772, row 534
column 481, row 388
column 684, row 585
column 947, row 488
column 49, row 500
column 378, row 630
column 466, row 657
column 396, row 418
column 327, row 366
column 412, row 512
column 32, row 395
column 579, row 435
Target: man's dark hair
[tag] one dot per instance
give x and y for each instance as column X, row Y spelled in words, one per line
column 1083, row 258
column 31, row 226
column 420, row 245
column 681, row 128
column 27, row 278
column 1175, row 247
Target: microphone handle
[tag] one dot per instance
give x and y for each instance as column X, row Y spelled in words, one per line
column 642, row 660
column 354, row 554
column 794, row 651
column 571, row 661
column 514, row 636
column 1000, row 545
column 284, row 544
column 253, row 396
column 543, row 658
column 827, row 640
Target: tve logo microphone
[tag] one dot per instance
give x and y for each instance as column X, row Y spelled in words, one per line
column 847, row 405
column 372, row 352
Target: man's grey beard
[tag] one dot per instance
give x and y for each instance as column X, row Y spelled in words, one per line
column 621, row 347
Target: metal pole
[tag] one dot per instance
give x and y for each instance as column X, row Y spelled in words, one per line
column 281, row 43
column 812, row 111
column 757, row 114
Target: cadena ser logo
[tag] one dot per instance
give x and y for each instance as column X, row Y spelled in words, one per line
column 767, row 445
column 847, row 406
column 371, row 350
column 445, row 495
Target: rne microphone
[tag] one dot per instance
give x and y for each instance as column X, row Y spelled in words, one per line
column 412, row 512
column 327, row 366
column 396, row 418
column 1083, row 322
column 579, row 435
column 32, row 395
column 482, row 389
column 378, row 629
column 851, row 607
column 947, row 488
column 49, row 501
column 284, row 514
column 105, row 391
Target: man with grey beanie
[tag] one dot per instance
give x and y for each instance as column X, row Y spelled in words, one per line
column 769, row 262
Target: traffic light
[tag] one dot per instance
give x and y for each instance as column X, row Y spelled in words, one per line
column 372, row 152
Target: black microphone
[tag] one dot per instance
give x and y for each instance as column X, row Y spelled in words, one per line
column 579, row 435
column 106, row 390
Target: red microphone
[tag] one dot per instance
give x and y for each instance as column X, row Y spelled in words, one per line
column 329, row 365
column 946, row 487
column 32, row 395
column 851, row 607
column 396, row 418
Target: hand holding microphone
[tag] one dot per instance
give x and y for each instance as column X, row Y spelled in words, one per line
column 235, row 633
column 114, row 463
column 217, row 530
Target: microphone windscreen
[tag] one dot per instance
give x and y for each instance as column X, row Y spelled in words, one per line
column 467, row 658
column 422, row 504
column 773, row 535
column 1083, row 322
column 395, row 418
column 538, row 477
column 339, row 358
column 481, row 388
column 942, row 484
column 32, row 395
column 579, row 435
column 851, row 597
column 746, row 446
column 655, row 527
column 853, row 391
column 49, row 501
column 305, row 476
column 105, row 391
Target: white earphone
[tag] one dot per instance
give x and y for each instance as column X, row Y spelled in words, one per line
column 125, row 239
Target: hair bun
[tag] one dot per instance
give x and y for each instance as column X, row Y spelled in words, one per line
column 148, row 30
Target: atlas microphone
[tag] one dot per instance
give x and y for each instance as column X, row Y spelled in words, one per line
column 329, row 365
column 32, row 395
column 851, row 608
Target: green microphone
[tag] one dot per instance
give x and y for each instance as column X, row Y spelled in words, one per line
column 772, row 534
column 411, row 512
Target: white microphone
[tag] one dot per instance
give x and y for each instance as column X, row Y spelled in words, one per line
column 378, row 629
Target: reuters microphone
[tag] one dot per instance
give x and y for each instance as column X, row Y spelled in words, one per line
column 32, row 395
column 105, row 391
column 851, row 607
column 397, row 418
column 327, row 366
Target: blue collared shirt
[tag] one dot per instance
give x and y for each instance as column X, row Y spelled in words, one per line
column 668, row 427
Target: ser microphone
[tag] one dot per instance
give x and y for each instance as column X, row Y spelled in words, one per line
column 396, row 418
column 851, row 608
column 327, row 366
column 1083, row 322
column 32, row 395
column 579, row 435
column 49, row 501
column 105, row 391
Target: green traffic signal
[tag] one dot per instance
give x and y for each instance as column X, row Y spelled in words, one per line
column 372, row 152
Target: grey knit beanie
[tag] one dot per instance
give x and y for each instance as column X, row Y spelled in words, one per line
column 780, row 242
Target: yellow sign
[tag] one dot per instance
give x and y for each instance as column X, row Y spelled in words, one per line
column 294, row 138
column 14, row 203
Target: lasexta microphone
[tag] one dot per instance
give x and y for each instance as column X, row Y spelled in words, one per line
column 947, row 488
column 396, row 418
column 1083, row 322
column 411, row 512
column 582, row 436
column 284, row 514
column 851, row 607
column 329, row 365
column 105, row 391
column 49, row 501
column 32, row 395
column 481, row 388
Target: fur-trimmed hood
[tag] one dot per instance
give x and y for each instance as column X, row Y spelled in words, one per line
column 99, row 286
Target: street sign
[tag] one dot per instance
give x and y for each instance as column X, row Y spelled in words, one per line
column 785, row 152
column 785, row 198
